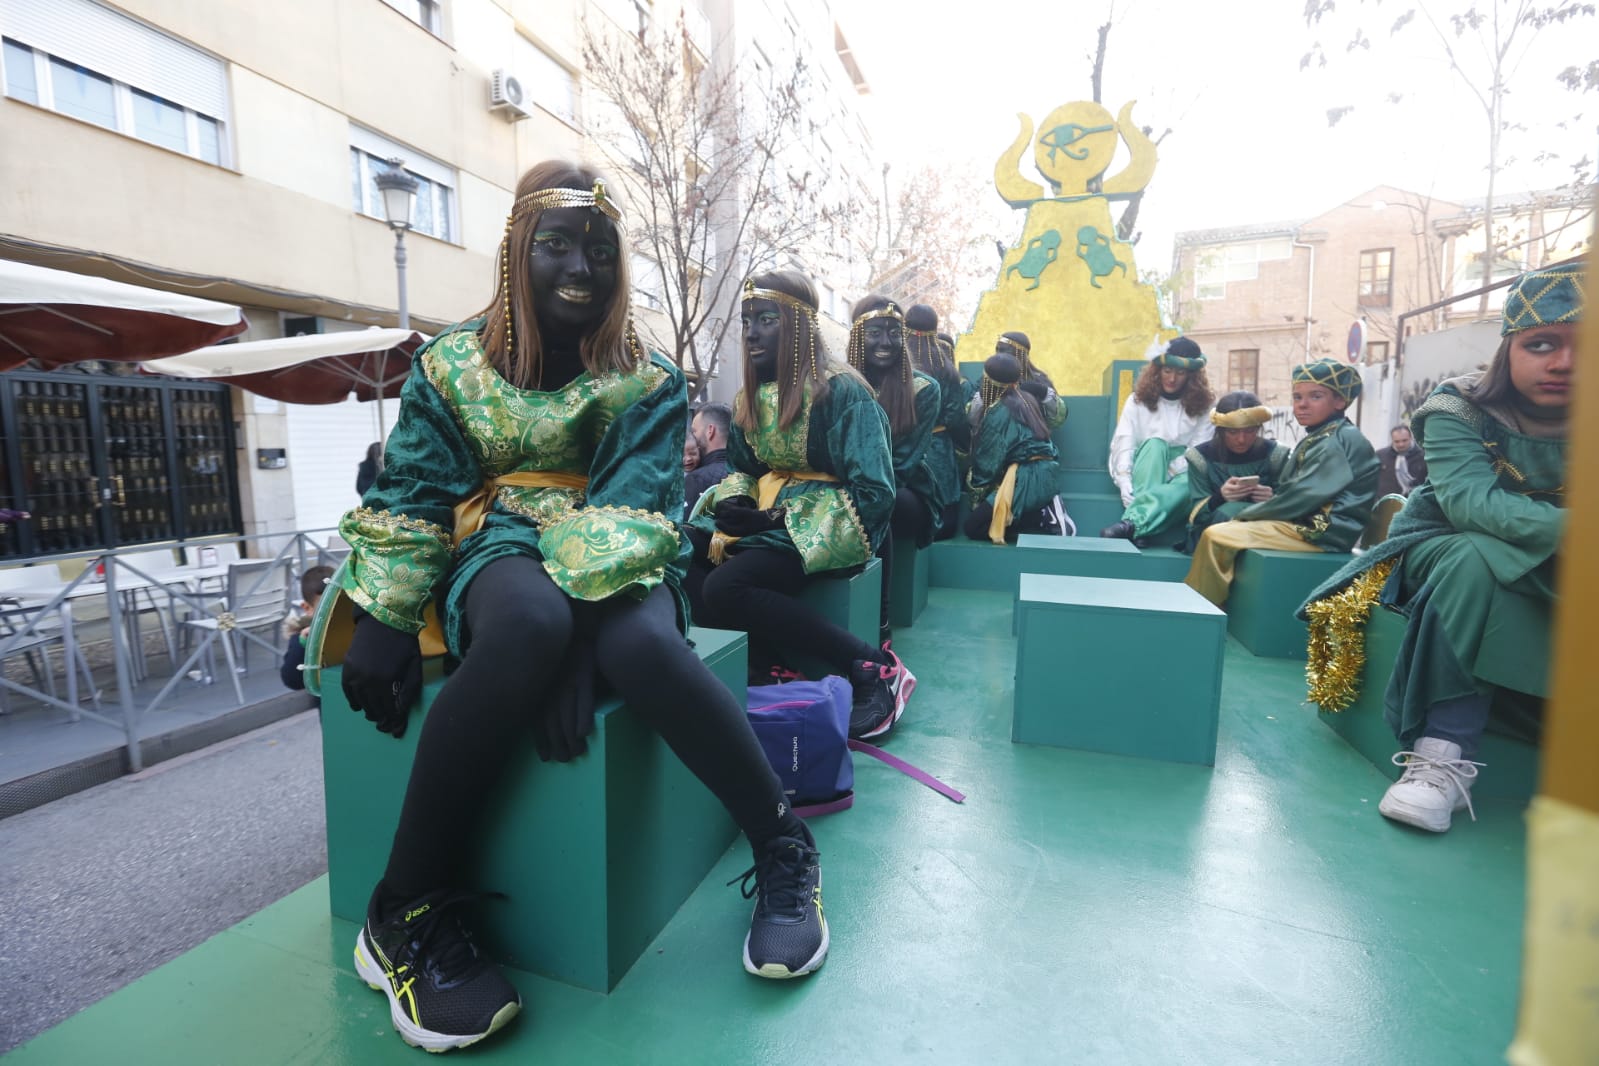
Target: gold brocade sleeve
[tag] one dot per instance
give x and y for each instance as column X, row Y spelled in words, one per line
column 596, row 552
column 394, row 562
column 736, row 483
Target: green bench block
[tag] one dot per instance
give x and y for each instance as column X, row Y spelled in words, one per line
column 595, row 855
column 907, row 598
column 1093, row 511
column 1123, row 667
column 971, row 564
column 1511, row 766
column 1268, row 587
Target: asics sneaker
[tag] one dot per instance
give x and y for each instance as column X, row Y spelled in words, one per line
column 442, row 993
column 788, row 932
column 873, row 709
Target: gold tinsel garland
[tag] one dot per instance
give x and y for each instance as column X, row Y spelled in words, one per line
column 1337, row 652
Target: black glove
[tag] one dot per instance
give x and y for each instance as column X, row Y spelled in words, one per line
column 739, row 517
column 383, row 674
column 569, row 714
column 1036, row 389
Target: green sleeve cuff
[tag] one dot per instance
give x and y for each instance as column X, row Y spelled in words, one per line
column 394, row 563
column 597, row 552
column 734, row 484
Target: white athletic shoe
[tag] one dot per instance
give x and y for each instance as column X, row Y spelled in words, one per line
column 1436, row 783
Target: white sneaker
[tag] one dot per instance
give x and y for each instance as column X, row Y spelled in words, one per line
column 1436, row 783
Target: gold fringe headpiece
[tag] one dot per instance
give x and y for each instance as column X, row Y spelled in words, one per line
column 1243, row 418
column 796, row 305
column 1020, row 346
column 857, row 339
column 535, row 202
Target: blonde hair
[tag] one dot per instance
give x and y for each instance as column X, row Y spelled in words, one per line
column 510, row 334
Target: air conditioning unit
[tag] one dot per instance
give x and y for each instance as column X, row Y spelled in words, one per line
column 506, row 94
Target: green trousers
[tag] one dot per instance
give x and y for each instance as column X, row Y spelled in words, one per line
column 1159, row 505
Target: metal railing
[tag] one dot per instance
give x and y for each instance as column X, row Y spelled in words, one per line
column 123, row 713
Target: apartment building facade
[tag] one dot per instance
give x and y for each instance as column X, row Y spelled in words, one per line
column 1347, row 282
column 227, row 150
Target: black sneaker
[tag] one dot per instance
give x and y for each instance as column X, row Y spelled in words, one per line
column 442, row 993
column 788, row 933
column 874, row 708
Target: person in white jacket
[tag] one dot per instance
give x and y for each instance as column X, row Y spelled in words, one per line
column 1168, row 413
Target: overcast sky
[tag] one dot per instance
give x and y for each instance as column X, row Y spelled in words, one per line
column 1250, row 140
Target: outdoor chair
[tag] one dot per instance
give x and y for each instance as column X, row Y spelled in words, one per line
column 257, row 598
column 30, row 632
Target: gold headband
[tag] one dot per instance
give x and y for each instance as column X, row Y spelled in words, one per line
column 891, row 311
column 933, row 333
column 1243, row 418
column 533, row 203
column 547, row 199
column 752, row 293
column 1020, row 346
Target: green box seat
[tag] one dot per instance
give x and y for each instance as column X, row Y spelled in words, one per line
column 595, row 855
column 907, row 596
column 852, row 599
column 1511, row 765
column 972, row 564
column 1268, row 587
column 1086, row 677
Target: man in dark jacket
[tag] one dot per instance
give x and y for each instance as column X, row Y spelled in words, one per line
column 710, row 426
column 1403, row 466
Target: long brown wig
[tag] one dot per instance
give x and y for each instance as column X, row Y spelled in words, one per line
column 922, row 343
column 510, row 333
column 1197, row 395
column 802, row 362
column 897, row 393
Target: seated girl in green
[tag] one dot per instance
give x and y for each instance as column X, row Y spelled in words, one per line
column 1015, row 472
column 1480, row 538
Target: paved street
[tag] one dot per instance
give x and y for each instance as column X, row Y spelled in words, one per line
column 104, row 886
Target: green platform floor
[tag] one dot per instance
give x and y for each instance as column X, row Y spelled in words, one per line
column 1078, row 908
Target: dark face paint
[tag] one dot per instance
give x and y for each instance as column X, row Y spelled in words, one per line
column 763, row 334
column 885, row 347
column 573, row 269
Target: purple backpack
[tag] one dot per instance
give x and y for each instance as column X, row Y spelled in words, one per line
column 803, row 727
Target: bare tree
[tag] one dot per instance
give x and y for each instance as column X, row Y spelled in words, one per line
column 938, row 242
column 1484, row 41
column 705, row 154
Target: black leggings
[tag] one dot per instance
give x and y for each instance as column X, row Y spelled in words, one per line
column 949, row 522
column 1028, row 521
column 910, row 523
column 521, row 624
column 757, row 592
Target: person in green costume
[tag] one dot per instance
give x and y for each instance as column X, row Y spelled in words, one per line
column 523, row 523
column 1326, row 493
column 1235, row 467
column 912, row 401
column 1165, row 416
column 952, row 433
column 1015, row 344
column 1480, row 538
column 1015, row 470
column 809, row 489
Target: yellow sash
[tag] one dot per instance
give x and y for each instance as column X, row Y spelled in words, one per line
column 767, row 488
column 1002, row 500
column 470, row 512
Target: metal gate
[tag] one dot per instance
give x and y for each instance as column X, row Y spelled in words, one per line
column 102, row 461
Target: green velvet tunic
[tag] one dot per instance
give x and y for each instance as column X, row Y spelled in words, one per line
column 1478, row 539
column 1328, row 487
column 461, row 424
column 951, row 435
column 832, row 525
column 919, row 461
column 1001, row 440
column 1210, row 465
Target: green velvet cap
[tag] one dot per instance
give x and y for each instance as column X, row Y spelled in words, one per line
column 1342, row 378
column 1543, row 298
column 1181, row 354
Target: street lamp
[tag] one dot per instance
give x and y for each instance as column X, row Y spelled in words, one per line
column 399, row 193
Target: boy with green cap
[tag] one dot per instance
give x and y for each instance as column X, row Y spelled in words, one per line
column 1326, row 493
